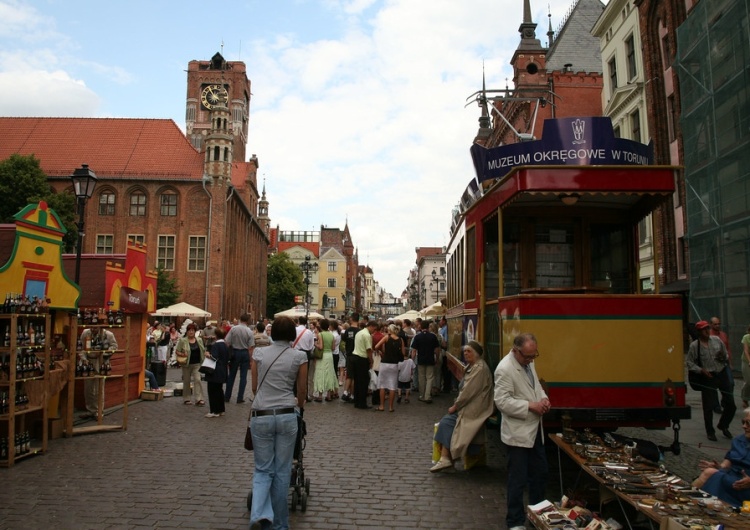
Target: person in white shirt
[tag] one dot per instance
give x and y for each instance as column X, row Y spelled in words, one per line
column 305, row 342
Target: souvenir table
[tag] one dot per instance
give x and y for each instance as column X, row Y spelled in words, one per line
column 628, row 478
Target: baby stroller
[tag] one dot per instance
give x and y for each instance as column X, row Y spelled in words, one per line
column 299, row 485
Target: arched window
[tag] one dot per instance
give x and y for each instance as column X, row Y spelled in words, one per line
column 137, row 204
column 168, row 203
column 107, row 202
column 216, row 153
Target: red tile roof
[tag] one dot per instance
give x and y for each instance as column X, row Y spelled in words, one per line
column 423, row 252
column 310, row 246
column 112, row 147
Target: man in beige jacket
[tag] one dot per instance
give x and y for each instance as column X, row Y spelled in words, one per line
column 522, row 401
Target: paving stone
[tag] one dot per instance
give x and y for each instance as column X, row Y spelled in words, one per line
column 175, row 468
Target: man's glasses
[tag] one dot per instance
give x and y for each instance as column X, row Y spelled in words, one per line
column 529, row 357
column 745, row 423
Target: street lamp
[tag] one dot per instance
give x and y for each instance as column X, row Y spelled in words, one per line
column 84, row 182
column 307, row 267
column 436, row 281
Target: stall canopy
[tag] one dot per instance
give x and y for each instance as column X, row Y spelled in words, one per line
column 298, row 311
column 182, row 309
column 436, row 309
column 411, row 315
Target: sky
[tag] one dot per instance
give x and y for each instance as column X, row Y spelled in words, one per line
column 358, row 110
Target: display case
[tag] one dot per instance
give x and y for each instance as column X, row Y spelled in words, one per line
column 99, row 365
column 26, row 362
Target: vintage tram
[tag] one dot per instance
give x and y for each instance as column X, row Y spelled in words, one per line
column 546, row 241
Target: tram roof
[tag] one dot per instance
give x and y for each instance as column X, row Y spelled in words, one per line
column 636, row 189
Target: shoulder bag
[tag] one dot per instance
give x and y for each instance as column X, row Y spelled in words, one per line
column 248, row 433
column 697, row 380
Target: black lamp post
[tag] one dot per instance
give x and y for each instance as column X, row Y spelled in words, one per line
column 84, row 182
column 307, row 267
column 436, row 282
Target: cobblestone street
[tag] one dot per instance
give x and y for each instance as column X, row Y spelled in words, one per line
column 367, row 470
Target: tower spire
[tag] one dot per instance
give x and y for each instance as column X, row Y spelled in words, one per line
column 550, row 31
column 527, row 29
column 484, row 119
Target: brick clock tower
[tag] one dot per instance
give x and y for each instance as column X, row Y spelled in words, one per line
column 211, row 82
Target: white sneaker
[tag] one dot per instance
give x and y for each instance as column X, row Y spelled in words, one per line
column 517, row 528
column 212, row 415
column 441, row 465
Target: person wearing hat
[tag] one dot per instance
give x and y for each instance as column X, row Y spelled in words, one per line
column 708, row 356
column 464, row 423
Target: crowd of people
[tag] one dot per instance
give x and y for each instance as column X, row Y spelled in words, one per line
column 376, row 365
column 368, row 363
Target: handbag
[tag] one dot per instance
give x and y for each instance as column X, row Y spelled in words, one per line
column 208, row 367
column 248, row 438
column 248, row 434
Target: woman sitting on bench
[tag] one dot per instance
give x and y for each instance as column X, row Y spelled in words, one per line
column 464, row 422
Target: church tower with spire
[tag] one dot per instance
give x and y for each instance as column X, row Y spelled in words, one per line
column 263, row 218
column 529, row 59
column 560, row 81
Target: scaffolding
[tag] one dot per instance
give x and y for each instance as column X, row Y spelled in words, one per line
column 713, row 63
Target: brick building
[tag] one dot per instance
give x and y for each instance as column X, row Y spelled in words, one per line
column 561, row 80
column 192, row 200
column 659, row 20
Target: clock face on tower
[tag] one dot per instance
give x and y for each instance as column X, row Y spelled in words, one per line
column 212, row 95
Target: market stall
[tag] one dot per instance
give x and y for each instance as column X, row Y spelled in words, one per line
column 626, row 477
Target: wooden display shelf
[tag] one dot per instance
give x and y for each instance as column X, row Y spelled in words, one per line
column 17, row 420
column 75, row 329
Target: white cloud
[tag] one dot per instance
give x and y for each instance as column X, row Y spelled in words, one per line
column 372, row 127
column 33, row 91
column 367, row 124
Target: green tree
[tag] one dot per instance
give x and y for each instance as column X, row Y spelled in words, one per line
column 23, row 182
column 284, row 283
column 167, row 292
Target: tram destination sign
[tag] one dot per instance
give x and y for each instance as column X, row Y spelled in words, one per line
column 566, row 142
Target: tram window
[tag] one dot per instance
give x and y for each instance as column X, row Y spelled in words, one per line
column 491, row 259
column 610, row 259
column 471, row 264
column 511, row 259
column 554, row 256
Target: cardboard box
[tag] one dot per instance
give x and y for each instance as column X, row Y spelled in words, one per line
column 148, row 395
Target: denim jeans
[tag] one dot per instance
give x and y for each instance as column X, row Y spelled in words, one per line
column 525, row 466
column 274, row 438
column 241, row 361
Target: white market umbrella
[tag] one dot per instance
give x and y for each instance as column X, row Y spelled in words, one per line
column 411, row 315
column 298, row 311
column 433, row 310
column 183, row 309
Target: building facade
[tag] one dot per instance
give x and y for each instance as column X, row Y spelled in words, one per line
column 624, row 100
column 194, row 209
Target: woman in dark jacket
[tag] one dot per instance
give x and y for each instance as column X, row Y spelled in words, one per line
column 215, row 381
